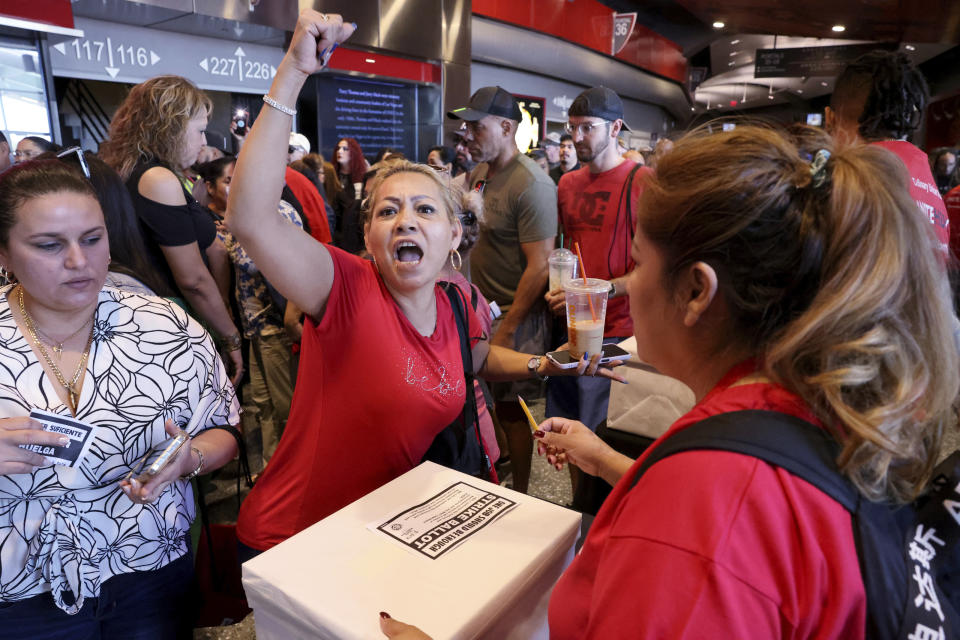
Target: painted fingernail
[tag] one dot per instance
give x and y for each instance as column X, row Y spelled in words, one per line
column 63, row 441
column 538, row 433
column 384, row 615
column 586, row 356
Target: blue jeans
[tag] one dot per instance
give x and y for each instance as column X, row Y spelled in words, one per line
column 145, row 605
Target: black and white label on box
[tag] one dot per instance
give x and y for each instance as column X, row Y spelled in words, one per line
column 80, row 434
column 446, row 520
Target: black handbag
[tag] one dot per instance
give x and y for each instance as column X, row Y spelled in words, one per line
column 459, row 446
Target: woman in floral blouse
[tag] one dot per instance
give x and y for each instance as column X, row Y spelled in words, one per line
column 83, row 551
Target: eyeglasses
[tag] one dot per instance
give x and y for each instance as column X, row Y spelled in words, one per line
column 582, row 129
column 69, row 151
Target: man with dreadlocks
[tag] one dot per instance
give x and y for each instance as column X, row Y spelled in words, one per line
column 880, row 98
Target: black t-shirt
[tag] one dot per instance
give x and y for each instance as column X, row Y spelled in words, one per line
column 169, row 226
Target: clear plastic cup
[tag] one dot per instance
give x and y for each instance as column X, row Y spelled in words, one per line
column 586, row 311
column 563, row 267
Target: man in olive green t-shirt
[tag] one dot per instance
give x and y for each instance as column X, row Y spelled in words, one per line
column 509, row 263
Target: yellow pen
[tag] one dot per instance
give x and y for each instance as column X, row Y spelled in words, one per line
column 533, row 423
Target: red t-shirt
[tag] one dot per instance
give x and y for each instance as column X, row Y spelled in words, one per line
column 312, row 202
column 952, row 202
column 371, row 395
column 714, row 544
column 593, row 212
column 923, row 188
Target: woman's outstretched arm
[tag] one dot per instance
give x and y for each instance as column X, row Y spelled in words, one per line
column 298, row 266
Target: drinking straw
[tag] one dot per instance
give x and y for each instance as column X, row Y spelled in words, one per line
column 583, row 272
column 533, row 423
column 561, row 240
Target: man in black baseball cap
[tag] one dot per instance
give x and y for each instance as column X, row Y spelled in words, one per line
column 595, row 108
column 509, row 262
column 488, row 101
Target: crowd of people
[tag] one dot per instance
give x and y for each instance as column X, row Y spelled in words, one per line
column 782, row 269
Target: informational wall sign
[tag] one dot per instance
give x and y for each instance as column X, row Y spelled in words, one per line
column 126, row 53
column 808, row 62
column 378, row 114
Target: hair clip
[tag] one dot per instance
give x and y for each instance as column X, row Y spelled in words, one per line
column 818, row 168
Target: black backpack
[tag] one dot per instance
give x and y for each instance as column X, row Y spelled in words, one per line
column 909, row 555
column 459, row 446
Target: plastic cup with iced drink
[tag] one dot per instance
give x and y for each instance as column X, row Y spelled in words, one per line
column 586, row 310
column 563, row 267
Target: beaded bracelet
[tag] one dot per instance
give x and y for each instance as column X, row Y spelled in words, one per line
column 278, row 106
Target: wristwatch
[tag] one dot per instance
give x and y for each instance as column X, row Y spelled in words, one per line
column 533, row 366
column 613, row 289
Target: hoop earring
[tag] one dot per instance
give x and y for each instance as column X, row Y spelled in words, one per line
column 7, row 276
column 455, row 260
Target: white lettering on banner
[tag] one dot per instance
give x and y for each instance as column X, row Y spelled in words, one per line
column 923, row 632
column 928, row 594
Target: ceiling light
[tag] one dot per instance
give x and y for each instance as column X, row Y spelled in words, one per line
column 370, row 60
column 693, row 108
column 718, row 25
column 838, row 28
column 770, row 96
column 733, row 42
column 909, row 47
column 823, row 84
column 733, row 53
column 731, row 63
column 799, row 90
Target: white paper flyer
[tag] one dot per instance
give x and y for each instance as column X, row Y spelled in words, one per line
column 80, row 434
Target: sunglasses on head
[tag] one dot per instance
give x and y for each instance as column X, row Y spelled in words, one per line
column 68, row 154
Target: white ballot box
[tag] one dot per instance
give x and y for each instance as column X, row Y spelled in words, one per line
column 458, row 557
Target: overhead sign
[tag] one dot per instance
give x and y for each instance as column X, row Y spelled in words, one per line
column 126, row 53
column 807, row 62
column 623, row 24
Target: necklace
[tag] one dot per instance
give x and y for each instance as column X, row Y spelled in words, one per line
column 73, row 394
column 57, row 346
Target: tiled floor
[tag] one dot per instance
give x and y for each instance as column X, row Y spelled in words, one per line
column 545, row 482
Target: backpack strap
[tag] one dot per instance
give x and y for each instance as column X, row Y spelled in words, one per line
column 802, row 448
column 469, row 415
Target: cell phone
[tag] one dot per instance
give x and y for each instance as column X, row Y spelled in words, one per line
column 158, row 458
column 240, row 117
column 564, row 360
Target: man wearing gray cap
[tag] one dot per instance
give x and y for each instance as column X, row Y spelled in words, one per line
column 509, row 263
column 551, row 146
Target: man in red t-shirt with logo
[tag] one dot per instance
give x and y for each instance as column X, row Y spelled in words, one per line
column 880, row 98
column 598, row 209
